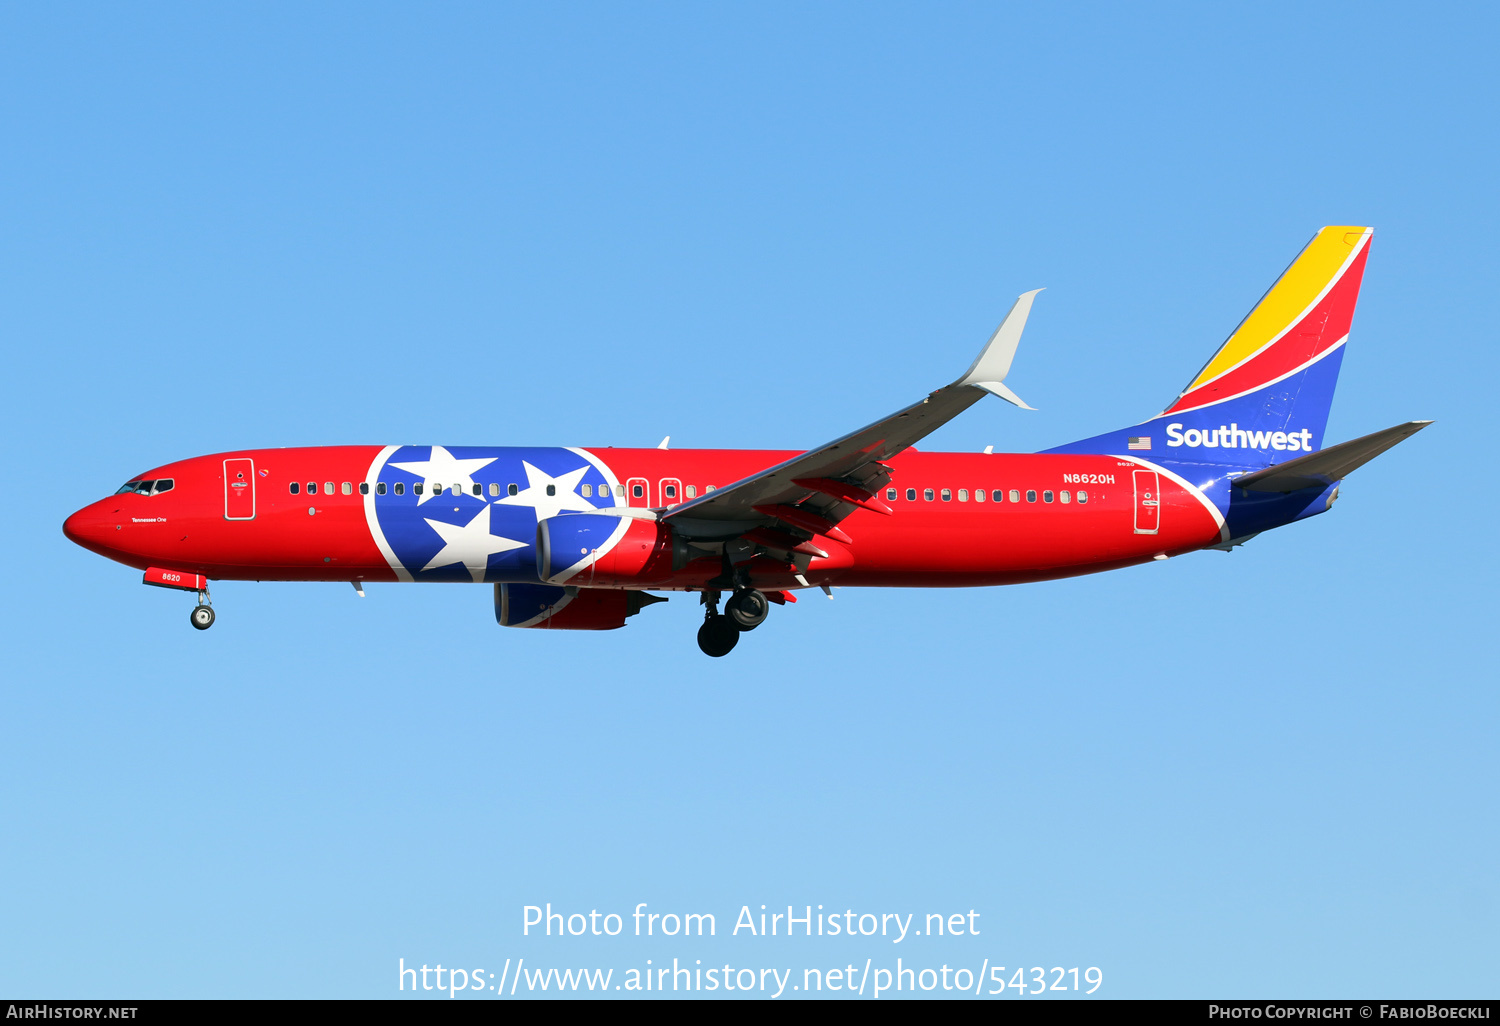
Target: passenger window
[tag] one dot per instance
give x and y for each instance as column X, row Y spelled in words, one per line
column 327, row 487
column 692, row 491
column 380, row 488
column 639, row 491
column 710, row 488
column 296, row 487
column 400, row 487
column 511, row 489
column 927, row 494
column 552, row 489
column 947, row 494
column 1030, row 495
column 1083, row 496
column 979, row 495
column 495, row 489
column 963, row 495
column 1047, row 496
column 364, row 488
column 587, row 490
column 890, row 495
column 416, row 488
column 312, row 488
column 347, row 488
column 164, row 485
column 1065, row 497
column 671, row 491
column 1015, row 495
column 911, row 495
column 479, row 489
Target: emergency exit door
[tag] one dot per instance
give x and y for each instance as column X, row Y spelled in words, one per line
column 1147, row 502
column 239, row 489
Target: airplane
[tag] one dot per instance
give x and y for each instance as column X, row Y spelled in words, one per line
column 578, row 538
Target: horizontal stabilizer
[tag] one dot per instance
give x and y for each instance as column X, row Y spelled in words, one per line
column 1322, row 468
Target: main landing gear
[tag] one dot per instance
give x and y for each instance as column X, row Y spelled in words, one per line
column 718, row 636
column 747, row 608
column 202, row 616
column 745, row 611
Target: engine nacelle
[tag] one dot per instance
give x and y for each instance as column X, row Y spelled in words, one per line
column 569, row 609
column 591, row 548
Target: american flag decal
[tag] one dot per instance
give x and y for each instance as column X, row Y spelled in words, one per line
column 1143, row 442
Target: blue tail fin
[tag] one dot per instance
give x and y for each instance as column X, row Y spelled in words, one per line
column 1264, row 397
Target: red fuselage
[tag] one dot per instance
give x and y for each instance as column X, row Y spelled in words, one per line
column 1076, row 514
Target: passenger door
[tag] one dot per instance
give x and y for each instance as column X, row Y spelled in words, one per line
column 239, row 489
column 1147, row 502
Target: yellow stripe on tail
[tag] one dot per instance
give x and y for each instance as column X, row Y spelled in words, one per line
column 1316, row 268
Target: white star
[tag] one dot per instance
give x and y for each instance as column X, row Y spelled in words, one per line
column 471, row 545
column 563, row 495
column 440, row 467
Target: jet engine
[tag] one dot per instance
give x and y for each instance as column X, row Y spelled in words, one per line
column 591, row 548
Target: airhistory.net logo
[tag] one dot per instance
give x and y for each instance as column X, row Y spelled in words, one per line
column 1233, row 437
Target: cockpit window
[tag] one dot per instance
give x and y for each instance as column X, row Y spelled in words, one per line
column 146, row 487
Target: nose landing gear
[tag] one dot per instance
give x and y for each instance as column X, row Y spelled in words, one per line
column 202, row 616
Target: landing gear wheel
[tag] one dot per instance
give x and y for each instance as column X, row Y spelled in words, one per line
column 718, row 636
column 747, row 609
column 202, row 617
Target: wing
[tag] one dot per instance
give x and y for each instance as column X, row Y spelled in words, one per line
column 784, row 506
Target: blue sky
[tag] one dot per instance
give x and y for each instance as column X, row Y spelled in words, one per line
column 1268, row 773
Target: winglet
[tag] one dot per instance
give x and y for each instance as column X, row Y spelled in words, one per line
column 993, row 364
column 995, row 388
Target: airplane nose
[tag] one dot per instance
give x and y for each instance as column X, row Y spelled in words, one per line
column 90, row 527
column 75, row 526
